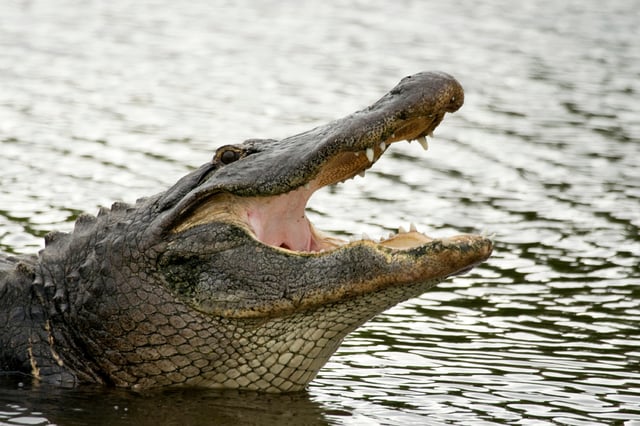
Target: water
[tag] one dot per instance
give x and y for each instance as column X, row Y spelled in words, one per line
column 101, row 101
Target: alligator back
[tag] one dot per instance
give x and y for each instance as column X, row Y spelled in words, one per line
column 17, row 312
column 26, row 337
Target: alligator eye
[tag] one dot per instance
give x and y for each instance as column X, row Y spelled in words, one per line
column 227, row 155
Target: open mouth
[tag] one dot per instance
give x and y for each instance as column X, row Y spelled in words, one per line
column 280, row 221
column 263, row 186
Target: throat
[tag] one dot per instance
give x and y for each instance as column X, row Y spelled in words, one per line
column 285, row 229
column 281, row 221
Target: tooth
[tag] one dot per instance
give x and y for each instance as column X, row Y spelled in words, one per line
column 369, row 153
column 357, row 153
column 423, row 142
column 401, row 230
column 430, row 134
column 485, row 233
column 383, row 146
column 412, row 227
column 361, row 174
column 365, row 236
column 307, row 185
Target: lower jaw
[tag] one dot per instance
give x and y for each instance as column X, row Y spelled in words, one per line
column 320, row 242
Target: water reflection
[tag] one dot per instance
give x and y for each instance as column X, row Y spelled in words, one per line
column 25, row 403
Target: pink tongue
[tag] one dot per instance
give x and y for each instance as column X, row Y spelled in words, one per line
column 281, row 222
column 282, row 231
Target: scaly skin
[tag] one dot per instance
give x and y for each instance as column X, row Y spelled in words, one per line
column 221, row 281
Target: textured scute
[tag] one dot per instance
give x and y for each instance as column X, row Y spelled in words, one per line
column 160, row 344
column 45, row 301
column 14, row 315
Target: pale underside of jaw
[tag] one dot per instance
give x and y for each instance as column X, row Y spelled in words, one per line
column 280, row 221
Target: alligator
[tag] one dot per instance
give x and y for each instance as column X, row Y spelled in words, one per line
column 222, row 281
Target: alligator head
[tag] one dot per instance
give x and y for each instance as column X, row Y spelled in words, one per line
column 222, row 281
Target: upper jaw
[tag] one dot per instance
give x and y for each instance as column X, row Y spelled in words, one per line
column 411, row 110
column 272, row 180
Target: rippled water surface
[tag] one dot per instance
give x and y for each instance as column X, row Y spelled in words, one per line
column 104, row 101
